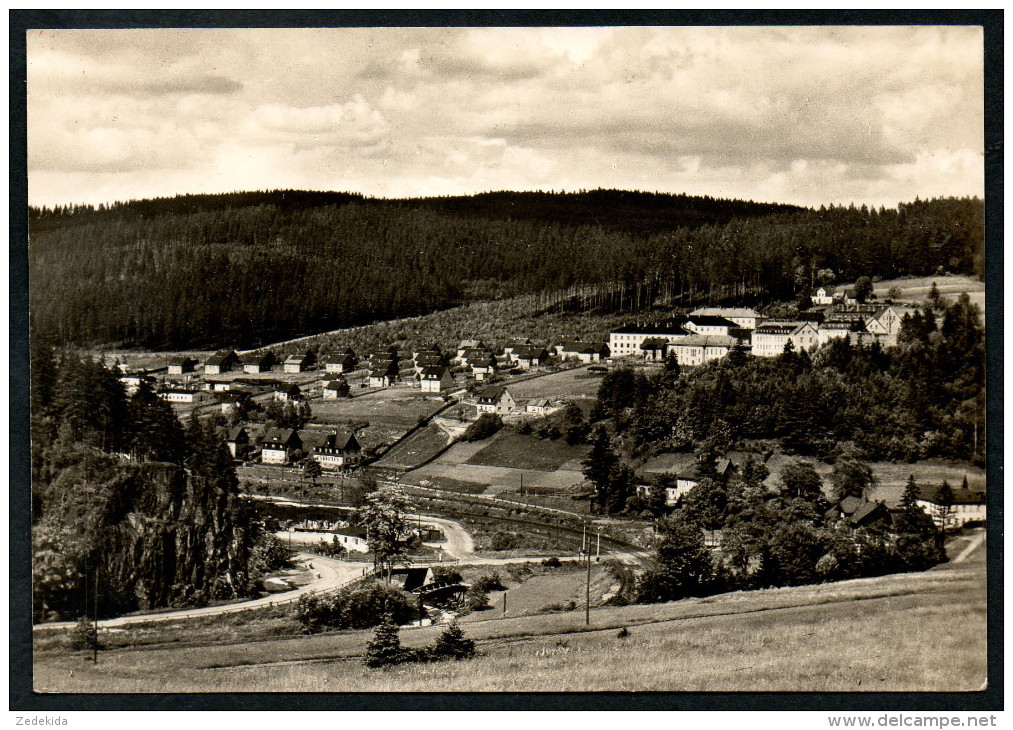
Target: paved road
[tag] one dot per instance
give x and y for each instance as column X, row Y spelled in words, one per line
column 331, row 574
column 458, row 543
column 973, row 545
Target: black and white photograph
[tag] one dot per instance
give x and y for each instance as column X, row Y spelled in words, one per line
column 513, row 359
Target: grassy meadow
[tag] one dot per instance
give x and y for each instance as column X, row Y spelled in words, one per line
column 909, row 632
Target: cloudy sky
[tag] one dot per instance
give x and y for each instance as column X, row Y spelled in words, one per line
column 802, row 115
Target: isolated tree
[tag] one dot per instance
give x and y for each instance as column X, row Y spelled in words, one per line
column 388, row 530
column 863, row 288
column 851, row 478
column 801, row 481
column 312, row 470
column 943, row 504
column 683, row 567
column 912, row 518
column 384, row 648
column 601, row 459
column 453, row 644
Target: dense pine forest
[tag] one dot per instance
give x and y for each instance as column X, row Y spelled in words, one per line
column 245, row 269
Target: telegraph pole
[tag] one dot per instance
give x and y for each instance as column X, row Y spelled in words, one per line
column 94, row 645
column 587, row 600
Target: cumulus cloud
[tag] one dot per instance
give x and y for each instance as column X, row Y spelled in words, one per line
column 804, row 115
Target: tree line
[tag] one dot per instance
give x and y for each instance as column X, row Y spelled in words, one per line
column 245, row 269
column 130, row 510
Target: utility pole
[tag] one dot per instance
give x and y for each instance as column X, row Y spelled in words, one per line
column 94, row 658
column 597, row 551
column 504, row 602
column 587, row 600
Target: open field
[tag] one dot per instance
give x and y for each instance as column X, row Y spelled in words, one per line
column 575, row 383
column 908, row 632
column 418, row 448
column 516, row 451
column 915, row 290
column 394, row 406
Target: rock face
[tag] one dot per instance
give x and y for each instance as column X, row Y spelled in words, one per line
column 182, row 542
column 150, row 535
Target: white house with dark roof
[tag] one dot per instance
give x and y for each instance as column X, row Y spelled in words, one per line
column 181, row 365
column 335, row 389
column 708, row 324
column 743, row 317
column 627, row 341
column 340, row 449
column 221, row 362
column 341, row 362
column 279, row 445
column 538, row 406
column 823, row 296
column 967, row 506
column 495, row 399
column 770, row 338
column 702, row 349
column 436, row 379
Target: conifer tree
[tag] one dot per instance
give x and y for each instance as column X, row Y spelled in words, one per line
column 384, row 649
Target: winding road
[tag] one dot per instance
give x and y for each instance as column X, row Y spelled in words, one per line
column 331, row 574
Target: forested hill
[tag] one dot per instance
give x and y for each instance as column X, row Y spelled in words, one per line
column 244, row 269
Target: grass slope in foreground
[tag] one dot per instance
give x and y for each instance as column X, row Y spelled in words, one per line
column 907, row 632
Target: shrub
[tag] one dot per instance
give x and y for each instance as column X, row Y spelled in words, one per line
column 486, row 425
column 623, row 633
column 384, row 649
column 827, row 567
column 525, row 428
column 502, row 540
column 552, row 562
column 355, row 609
column 84, row 635
column 453, row 644
column 490, row 583
column 441, row 573
column 477, row 599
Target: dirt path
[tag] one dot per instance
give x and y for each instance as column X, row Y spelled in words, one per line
column 975, row 542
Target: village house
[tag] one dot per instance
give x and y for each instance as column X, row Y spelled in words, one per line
column 341, row 362
column 181, row 365
column 238, row 441
column 255, row 363
column 298, row 363
column 702, row 349
column 279, row 446
column 743, row 317
column 510, row 347
column 885, row 323
column 626, row 342
column 585, row 352
column 483, row 367
column 823, row 296
column 217, row 386
column 436, row 379
column 382, row 373
column 496, row 399
column 428, row 348
column 132, row 382
column 222, row 361
column 185, row 395
column 337, row 388
column 704, row 324
column 469, row 345
column 528, row 356
column 858, row 512
column 352, row 539
column 655, row 349
column 835, row 330
column 291, row 393
column 338, row 451
column 682, row 467
column 967, row 506
column 770, row 338
column 539, row 406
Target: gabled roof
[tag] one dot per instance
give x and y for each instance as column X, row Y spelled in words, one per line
column 234, row 433
column 220, row 357
column 781, row 328
column 539, row 402
column 850, row 505
column 867, row 510
column 470, row 345
column 342, row 440
column 182, row 360
column 491, row 394
column 707, row 320
column 341, row 357
column 280, row 436
column 927, row 493
column 672, row 326
column 584, row 348
column 257, row 358
column 724, row 312
column 380, row 372
column 530, row 352
column 291, row 389
column 654, row 343
column 336, row 384
column 434, row 372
